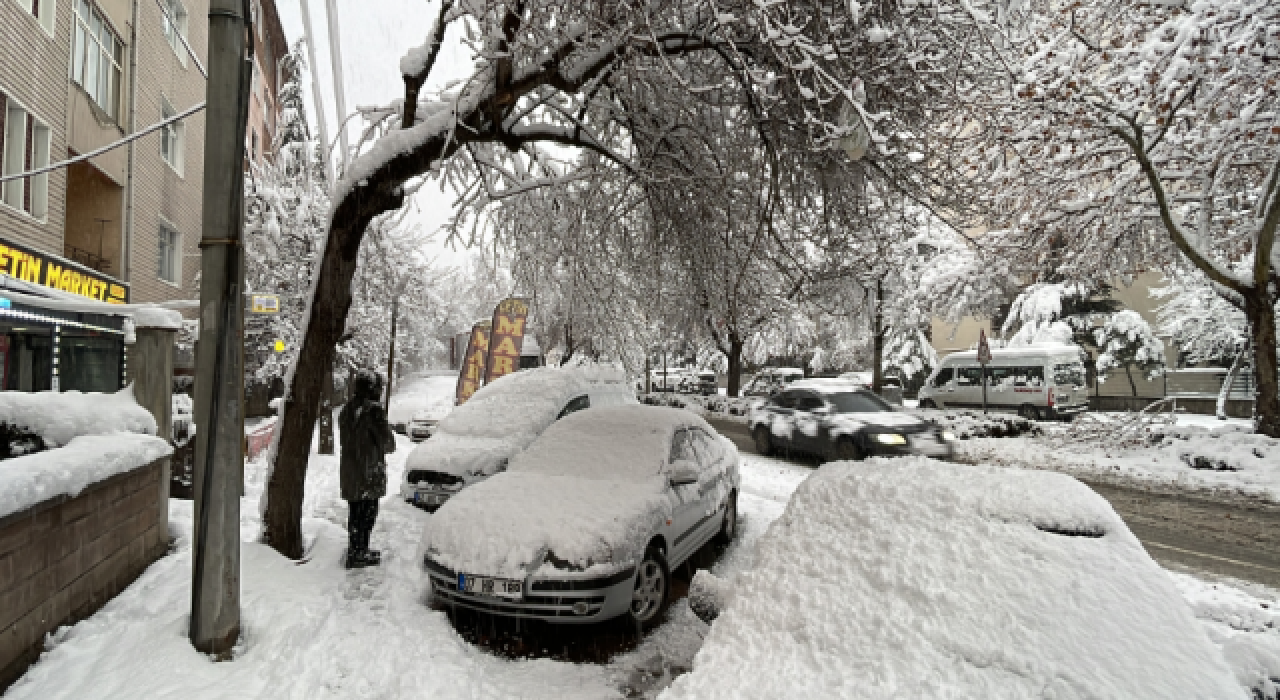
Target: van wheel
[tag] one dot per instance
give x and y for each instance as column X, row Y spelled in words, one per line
column 1029, row 412
column 928, row 403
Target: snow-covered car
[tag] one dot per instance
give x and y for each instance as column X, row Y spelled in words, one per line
column 861, row 378
column 770, row 380
column 426, row 392
column 476, row 439
column 1038, row 383
column 424, row 423
column 588, row 522
column 913, row 578
column 839, row 419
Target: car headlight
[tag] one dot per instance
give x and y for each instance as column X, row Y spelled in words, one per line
column 947, row 436
column 890, row 439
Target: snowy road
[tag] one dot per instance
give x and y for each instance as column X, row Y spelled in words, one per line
column 1239, row 538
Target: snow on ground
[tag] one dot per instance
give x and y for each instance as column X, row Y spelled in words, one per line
column 1243, row 620
column 909, row 577
column 315, row 630
column 1198, row 453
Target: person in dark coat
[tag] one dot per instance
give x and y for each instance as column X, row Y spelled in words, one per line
column 366, row 437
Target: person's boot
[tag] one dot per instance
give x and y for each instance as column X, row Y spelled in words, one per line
column 357, row 560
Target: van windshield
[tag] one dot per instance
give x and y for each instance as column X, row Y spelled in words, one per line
column 1071, row 373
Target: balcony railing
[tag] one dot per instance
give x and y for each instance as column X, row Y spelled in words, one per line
column 84, row 257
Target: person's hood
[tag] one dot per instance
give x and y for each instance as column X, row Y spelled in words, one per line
column 519, row 523
column 466, row 457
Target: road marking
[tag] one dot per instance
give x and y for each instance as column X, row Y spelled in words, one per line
column 1213, row 556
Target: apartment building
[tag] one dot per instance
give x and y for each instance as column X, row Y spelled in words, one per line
column 270, row 46
column 77, row 76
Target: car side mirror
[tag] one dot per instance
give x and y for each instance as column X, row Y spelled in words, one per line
column 682, row 473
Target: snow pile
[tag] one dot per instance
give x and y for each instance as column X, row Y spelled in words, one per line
column 973, row 424
column 59, row 417
column 586, row 494
column 708, row 595
column 911, row 578
column 1227, row 456
column 1245, row 625
column 26, row 481
column 157, row 317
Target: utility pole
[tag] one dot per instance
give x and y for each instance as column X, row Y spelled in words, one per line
column 219, row 399
column 339, row 94
column 321, row 120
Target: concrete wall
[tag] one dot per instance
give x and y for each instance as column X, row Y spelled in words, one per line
column 63, row 559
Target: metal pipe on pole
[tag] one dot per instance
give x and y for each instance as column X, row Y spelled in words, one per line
column 219, row 389
column 339, row 93
column 316, row 97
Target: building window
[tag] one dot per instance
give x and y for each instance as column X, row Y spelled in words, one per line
column 44, row 12
column 170, row 255
column 172, row 138
column 175, row 27
column 96, row 55
column 24, row 146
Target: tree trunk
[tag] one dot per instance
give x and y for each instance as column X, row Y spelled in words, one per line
column 1129, row 373
column 326, row 410
column 391, row 354
column 735, row 364
column 877, row 344
column 1225, row 393
column 1260, row 310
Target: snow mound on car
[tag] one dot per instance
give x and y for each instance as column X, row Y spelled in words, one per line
column 585, row 494
column 518, row 404
column 914, row 578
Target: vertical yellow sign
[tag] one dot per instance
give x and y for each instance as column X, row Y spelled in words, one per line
column 474, row 362
column 507, row 338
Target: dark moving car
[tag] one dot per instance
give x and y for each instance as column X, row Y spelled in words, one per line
column 838, row 419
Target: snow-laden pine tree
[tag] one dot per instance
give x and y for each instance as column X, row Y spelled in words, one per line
column 1126, row 341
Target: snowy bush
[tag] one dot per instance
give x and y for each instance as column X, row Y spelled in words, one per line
column 967, row 425
column 1126, row 341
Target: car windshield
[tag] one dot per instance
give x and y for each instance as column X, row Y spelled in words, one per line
column 1069, row 374
column 858, row 402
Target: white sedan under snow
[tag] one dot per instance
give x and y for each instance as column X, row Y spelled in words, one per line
column 914, row 578
column 588, row 522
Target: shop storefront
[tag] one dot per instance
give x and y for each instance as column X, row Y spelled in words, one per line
column 45, row 342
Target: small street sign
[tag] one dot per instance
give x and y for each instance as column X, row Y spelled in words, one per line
column 265, row 304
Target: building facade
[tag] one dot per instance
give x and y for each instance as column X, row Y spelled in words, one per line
column 78, row 77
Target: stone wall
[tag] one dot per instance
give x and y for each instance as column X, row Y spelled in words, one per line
column 64, row 558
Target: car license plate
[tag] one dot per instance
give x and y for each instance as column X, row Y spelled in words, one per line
column 430, row 499
column 484, row 585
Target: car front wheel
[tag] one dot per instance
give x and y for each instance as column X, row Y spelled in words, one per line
column 847, row 449
column 729, row 526
column 653, row 583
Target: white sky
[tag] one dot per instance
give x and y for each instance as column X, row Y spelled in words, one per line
column 375, row 34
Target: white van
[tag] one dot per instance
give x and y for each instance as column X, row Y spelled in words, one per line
column 1040, row 383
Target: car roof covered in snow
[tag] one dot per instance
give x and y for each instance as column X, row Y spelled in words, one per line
column 825, row 385
column 1034, row 351
column 613, row 442
column 521, row 402
column 913, row 578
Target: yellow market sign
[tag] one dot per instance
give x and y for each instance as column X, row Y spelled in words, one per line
column 56, row 273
